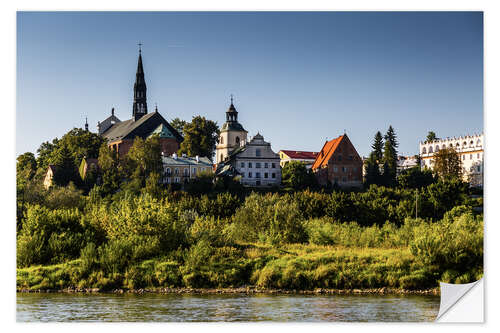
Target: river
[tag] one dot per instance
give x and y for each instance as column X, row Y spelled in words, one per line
column 63, row 307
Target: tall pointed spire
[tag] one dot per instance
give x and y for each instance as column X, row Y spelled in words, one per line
column 86, row 124
column 140, row 107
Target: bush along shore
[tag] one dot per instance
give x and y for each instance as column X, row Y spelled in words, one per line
column 309, row 242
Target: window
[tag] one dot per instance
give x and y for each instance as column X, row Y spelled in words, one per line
column 470, row 157
column 464, row 144
column 242, row 164
column 168, row 171
column 463, row 157
column 273, row 165
column 350, row 157
column 257, row 175
column 186, row 172
column 266, row 165
column 249, row 175
column 477, row 155
column 257, row 152
column 221, row 142
column 237, row 141
column 443, row 147
column 249, row 164
column 168, row 180
column 437, row 149
column 335, row 169
column 424, row 151
column 257, row 165
column 265, row 175
column 273, row 175
column 344, row 169
column 194, row 171
column 340, row 157
column 430, row 150
column 478, row 168
column 176, row 172
column 354, row 169
column 177, row 180
column 221, row 158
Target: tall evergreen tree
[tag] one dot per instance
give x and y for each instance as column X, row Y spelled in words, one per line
column 431, row 136
column 390, row 157
column 372, row 170
column 65, row 167
column 377, row 146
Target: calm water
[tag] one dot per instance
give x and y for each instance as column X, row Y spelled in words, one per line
column 164, row 308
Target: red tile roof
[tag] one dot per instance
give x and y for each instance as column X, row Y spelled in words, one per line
column 301, row 154
column 326, row 152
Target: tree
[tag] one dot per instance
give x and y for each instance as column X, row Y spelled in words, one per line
column 65, row 167
column 109, row 168
column 45, row 152
column 416, row 178
column 431, row 136
column 447, row 164
column 144, row 158
column 372, row 170
column 377, row 146
column 200, row 137
column 178, row 124
column 297, row 176
column 390, row 157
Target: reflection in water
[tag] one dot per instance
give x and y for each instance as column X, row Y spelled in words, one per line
column 172, row 307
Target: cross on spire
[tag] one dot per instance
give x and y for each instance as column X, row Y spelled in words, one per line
column 140, row 44
column 231, row 98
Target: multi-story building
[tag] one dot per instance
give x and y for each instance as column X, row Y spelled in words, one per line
column 469, row 148
column 257, row 164
column 306, row 157
column 254, row 161
column 180, row 169
column 338, row 162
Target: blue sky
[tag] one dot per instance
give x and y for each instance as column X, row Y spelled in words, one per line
column 298, row 78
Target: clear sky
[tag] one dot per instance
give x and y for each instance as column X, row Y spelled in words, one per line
column 298, row 78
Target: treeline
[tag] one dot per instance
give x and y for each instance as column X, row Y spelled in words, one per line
column 227, row 240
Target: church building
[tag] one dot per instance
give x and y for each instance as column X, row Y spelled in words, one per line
column 121, row 134
column 254, row 162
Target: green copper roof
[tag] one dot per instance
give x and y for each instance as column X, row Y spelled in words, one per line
column 163, row 132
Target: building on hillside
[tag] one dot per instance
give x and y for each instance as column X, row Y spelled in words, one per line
column 469, row 148
column 307, row 157
column 49, row 176
column 338, row 162
column 180, row 169
column 121, row 134
column 232, row 135
column 406, row 162
column 255, row 162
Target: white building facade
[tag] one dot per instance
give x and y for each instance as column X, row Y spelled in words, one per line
column 257, row 164
column 469, row 148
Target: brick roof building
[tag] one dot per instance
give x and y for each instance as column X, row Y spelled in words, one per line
column 339, row 162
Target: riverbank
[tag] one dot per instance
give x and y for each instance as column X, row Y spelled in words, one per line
column 243, row 290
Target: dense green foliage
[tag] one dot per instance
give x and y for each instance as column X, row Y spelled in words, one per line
column 200, row 137
column 295, row 175
column 299, row 240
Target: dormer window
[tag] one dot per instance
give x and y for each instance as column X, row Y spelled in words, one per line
column 257, row 152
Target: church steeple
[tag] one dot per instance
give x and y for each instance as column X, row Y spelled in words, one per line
column 231, row 113
column 140, row 107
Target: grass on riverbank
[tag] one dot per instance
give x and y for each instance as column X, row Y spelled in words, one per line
column 302, row 267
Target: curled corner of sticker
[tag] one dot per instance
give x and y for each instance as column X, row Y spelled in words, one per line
column 461, row 302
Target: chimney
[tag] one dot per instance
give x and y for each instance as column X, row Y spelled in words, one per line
column 112, row 111
column 197, row 158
